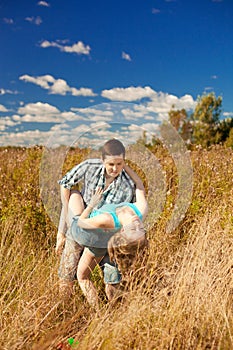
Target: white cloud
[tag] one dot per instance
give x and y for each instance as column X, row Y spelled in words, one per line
column 156, row 107
column 128, row 94
column 16, row 117
column 46, row 44
column 26, row 138
column 208, row 88
column 132, row 114
column 151, row 128
column 131, row 133
column 56, row 86
column 38, row 108
column 214, row 77
column 78, row 135
column 35, row 20
column 101, row 118
column 43, row 81
column 5, row 122
column 161, row 103
column 39, row 112
column 126, row 56
column 158, row 102
column 3, row 108
column 43, row 112
column 32, row 118
column 79, row 48
column 3, row 92
column 69, row 116
column 43, row 3
column 82, row 92
column 228, row 114
column 155, row 11
column 59, row 87
column 8, row 20
column 93, row 111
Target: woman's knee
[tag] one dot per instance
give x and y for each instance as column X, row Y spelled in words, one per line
column 76, row 197
column 83, row 273
column 76, row 204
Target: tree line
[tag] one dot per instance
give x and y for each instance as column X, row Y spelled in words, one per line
column 204, row 126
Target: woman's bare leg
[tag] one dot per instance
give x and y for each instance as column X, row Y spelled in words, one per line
column 75, row 205
column 112, row 291
column 86, row 265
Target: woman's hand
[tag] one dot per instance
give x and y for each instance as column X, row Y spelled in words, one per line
column 96, row 198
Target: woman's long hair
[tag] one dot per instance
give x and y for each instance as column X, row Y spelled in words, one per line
column 124, row 252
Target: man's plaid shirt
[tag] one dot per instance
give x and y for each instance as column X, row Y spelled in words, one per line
column 91, row 174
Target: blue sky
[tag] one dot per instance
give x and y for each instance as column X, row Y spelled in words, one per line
column 69, row 66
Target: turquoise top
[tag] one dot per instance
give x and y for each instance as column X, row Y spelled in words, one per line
column 111, row 209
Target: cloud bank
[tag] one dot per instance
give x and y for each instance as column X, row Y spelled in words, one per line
column 56, row 86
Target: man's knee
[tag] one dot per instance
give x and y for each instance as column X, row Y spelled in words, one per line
column 66, row 289
column 69, row 260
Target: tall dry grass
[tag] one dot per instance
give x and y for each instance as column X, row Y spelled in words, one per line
column 180, row 297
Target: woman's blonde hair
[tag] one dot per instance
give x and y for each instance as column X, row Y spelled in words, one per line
column 125, row 252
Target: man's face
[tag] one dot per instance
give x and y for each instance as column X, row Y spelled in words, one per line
column 114, row 165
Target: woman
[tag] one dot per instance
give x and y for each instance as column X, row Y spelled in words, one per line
column 95, row 227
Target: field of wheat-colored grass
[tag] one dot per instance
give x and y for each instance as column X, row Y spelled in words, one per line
column 180, row 296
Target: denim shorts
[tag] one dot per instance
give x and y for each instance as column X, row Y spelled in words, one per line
column 90, row 237
column 97, row 251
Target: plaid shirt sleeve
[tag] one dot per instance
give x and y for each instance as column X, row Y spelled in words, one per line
column 81, row 172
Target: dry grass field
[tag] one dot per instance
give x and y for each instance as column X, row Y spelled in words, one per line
column 179, row 297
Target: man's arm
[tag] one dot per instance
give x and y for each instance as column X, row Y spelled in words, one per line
column 65, row 195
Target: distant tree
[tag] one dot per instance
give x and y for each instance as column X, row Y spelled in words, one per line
column 229, row 140
column 177, row 118
column 182, row 123
column 223, row 129
column 206, row 118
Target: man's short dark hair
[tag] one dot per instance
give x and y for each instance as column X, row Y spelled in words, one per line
column 113, row 147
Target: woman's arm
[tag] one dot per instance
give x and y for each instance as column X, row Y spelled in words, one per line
column 98, row 221
column 140, row 192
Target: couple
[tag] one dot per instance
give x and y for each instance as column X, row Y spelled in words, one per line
column 98, row 218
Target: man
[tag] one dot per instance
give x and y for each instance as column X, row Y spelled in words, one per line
column 117, row 186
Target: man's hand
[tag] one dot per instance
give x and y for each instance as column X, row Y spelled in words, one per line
column 61, row 238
